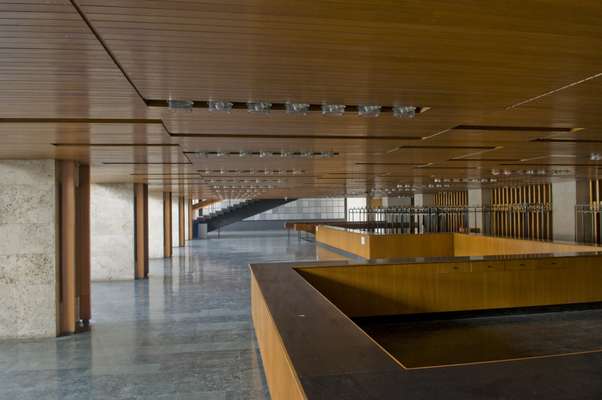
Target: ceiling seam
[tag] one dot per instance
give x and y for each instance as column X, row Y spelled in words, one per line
column 107, row 50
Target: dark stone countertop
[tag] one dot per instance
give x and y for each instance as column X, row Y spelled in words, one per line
column 334, row 359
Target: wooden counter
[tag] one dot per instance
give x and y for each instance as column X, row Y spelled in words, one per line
column 312, row 350
column 374, row 246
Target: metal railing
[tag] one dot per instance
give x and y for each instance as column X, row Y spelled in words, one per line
column 413, row 219
column 527, row 221
column 588, row 221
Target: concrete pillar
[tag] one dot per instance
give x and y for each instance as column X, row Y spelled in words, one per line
column 475, row 219
column 113, row 241
column 423, row 200
column 155, row 225
column 564, row 200
column 28, row 250
column 175, row 221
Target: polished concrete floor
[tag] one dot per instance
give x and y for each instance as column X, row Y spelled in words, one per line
column 469, row 340
column 185, row 333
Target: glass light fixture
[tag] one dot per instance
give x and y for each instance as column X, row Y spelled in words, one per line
column 404, row 111
column 219, row 106
column 259, row 107
column 333, row 109
column 297, row 108
column 180, row 104
column 368, row 110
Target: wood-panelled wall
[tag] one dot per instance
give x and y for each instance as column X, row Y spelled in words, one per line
column 451, row 199
column 522, row 212
column 458, row 286
column 455, row 221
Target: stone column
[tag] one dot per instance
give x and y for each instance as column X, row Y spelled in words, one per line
column 564, row 200
column 175, row 221
column 478, row 198
column 28, row 249
column 113, row 241
column 155, row 225
column 423, row 200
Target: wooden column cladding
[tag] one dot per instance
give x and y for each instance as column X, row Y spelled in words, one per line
column 141, row 230
column 167, row 237
column 83, row 245
column 190, row 220
column 68, row 312
column 181, row 221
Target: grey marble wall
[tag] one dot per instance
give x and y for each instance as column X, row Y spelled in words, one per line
column 112, row 231
column 155, row 225
column 28, row 254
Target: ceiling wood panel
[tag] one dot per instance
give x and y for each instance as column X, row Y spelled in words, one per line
column 84, row 80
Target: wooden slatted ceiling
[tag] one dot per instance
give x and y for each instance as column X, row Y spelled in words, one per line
column 52, row 66
column 351, row 51
column 468, row 62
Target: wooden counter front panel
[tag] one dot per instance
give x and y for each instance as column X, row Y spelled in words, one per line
column 477, row 245
column 281, row 378
column 437, row 244
column 373, row 290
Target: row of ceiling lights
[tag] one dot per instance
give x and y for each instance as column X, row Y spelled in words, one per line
column 253, row 172
column 331, row 109
column 264, row 154
column 465, row 180
column 530, row 172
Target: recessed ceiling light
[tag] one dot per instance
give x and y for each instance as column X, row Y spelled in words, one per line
column 404, row 111
column 219, row 106
column 297, row 108
column 368, row 110
column 333, row 109
column 259, row 107
column 180, row 104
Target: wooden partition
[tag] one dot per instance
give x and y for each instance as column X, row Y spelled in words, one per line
column 372, row 246
column 375, row 246
column 477, row 245
column 458, row 286
column 279, row 371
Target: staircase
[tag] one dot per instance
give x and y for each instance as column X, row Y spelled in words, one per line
column 237, row 212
